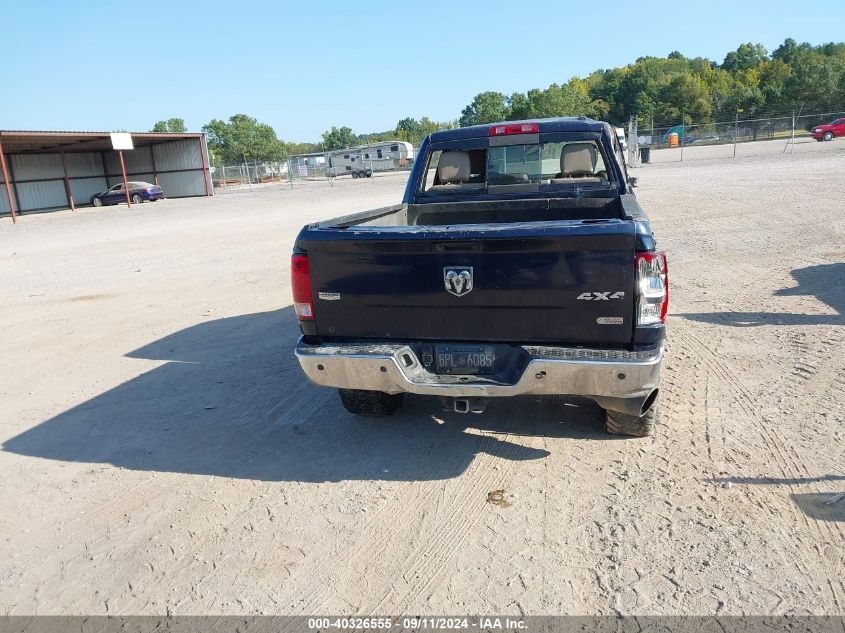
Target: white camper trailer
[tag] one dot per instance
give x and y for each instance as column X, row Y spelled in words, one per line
column 364, row 160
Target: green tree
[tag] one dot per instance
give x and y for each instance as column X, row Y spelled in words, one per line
column 171, row 126
column 686, row 95
column 720, row 83
column 570, row 99
column 374, row 137
column 486, row 107
column 745, row 57
column 816, row 81
column 409, row 129
column 774, row 76
column 302, row 148
column 519, row 106
column 637, row 89
column 604, row 88
column 339, row 138
column 413, row 131
column 789, row 50
column 745, row 98
column 832, row 49
column 243, row 138
column 429, row 126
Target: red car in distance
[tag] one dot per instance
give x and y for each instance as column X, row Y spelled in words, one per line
column 834, row 129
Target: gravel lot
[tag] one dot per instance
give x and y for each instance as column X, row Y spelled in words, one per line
column 161, row 451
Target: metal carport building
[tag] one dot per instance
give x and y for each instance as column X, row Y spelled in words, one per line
column 60, row 170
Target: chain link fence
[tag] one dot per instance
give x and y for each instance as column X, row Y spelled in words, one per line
column 787, row 128
column 722, row 138
column 289, row 171
column 247, row 174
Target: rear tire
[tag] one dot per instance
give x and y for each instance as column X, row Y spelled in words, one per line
column 354, row 174
column 372, row 403
column 97, row 202
column 137, row 199
column 828, row 136
column 617, row 423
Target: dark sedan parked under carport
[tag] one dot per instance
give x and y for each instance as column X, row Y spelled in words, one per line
column 138, row 192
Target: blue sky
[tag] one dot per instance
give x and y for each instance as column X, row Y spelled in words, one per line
column 305, row 66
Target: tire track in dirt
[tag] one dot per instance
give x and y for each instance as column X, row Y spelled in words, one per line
column 394, row 521
column 789, row 463
column 748, row 403
column 818, row 371
column 686, row 398
column 423, row 529
column 558, row 508
column 465, row 511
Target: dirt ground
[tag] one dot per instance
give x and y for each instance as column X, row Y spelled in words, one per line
column 161, row 451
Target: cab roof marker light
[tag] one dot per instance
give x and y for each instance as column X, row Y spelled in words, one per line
column 514, row 128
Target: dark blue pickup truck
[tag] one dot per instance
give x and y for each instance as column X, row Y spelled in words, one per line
column 519, row 262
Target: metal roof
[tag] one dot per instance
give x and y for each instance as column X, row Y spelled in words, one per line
column 308, row 154
column 369, row 146
column 39, row 142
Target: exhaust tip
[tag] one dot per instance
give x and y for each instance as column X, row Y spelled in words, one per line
column 649, row 401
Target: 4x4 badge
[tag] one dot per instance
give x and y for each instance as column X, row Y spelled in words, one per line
column 458, row 280
column 601, row 296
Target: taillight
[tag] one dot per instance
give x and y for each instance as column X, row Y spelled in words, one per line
column 652, row 288
column 300, row 283
column 514, row 128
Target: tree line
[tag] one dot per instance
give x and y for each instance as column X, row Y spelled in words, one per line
column 659, row 91
column 675, row 89
column 243, row 138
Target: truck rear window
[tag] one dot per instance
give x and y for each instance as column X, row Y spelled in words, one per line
column 555, row 164
column 537, row 163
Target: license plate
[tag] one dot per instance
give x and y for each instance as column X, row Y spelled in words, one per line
column 465, row 359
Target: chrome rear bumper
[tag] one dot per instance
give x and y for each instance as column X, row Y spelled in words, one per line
column 616, row 379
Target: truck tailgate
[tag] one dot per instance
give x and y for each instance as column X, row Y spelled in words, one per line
column 557, row 282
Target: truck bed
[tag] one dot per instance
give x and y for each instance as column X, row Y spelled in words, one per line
column 493, row 212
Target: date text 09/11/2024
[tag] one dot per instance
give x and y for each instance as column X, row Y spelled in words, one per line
column 418, row 623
